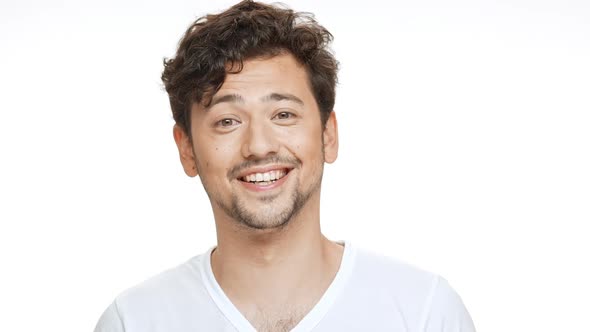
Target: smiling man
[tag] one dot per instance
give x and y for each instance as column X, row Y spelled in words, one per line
column 259, row 146
column 252, row 92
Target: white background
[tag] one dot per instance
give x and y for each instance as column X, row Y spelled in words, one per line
column 465, row 150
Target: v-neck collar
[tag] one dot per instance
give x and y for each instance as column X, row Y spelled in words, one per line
column 313, row 317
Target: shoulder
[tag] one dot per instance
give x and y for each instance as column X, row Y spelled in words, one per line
column 445, row 310
column 169, row 283
column 392, row 274
column 418, row 295
column 156, row 298
column 110, row 320
column 165, row 286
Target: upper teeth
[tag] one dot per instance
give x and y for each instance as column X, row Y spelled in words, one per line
column 268, row 176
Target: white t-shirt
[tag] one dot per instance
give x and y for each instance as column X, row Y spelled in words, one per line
column 369, row 293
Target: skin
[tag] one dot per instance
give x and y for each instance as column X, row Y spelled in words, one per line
column 271, row 260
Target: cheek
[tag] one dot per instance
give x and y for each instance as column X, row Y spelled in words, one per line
column 213, row 158
column 305, row 144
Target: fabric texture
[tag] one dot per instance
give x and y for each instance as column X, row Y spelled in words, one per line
column 369, row 293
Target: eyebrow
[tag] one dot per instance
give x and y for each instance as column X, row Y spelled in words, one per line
column 235, row 98
column 282, row 96
column 232, row 98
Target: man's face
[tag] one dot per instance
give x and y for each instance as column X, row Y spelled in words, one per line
column 259, row 147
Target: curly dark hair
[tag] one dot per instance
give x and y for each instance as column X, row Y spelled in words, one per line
column 249, row 29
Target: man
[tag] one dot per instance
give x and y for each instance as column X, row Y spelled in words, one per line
column 252, row 91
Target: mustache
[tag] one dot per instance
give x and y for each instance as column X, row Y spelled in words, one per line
column 234, row 171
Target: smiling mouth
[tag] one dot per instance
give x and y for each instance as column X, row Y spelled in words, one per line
column 266, row 178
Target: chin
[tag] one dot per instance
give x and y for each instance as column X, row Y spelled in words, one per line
column 275, row 213
column 268, row 217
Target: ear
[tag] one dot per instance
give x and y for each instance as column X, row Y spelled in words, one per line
column 185, row 150
column 331, row 139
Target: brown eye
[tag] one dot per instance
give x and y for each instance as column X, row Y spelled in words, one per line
column 284, row 115
column 227, row 122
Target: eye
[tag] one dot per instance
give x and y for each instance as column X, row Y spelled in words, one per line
column 227, row 122
column 284, row 115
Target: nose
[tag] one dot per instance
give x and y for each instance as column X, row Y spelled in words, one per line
column 259, row 141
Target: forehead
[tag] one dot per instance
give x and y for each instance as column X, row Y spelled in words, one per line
column 260, row 76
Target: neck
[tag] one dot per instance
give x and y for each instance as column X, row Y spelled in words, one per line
column 295, row 262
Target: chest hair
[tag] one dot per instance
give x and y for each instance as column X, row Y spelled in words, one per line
column 276, row 320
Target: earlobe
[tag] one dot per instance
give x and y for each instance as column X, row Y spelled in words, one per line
column 330, row 136
column 185, row 151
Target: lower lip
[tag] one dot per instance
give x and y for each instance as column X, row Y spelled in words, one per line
column 259, row 188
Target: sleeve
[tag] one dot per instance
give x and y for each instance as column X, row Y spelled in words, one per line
column 110, row 321
column 445, row 311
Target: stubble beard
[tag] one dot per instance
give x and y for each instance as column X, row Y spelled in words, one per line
column 252, row 217
column 238, row 210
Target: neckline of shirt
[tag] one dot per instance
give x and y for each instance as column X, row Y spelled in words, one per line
column 313, row 317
